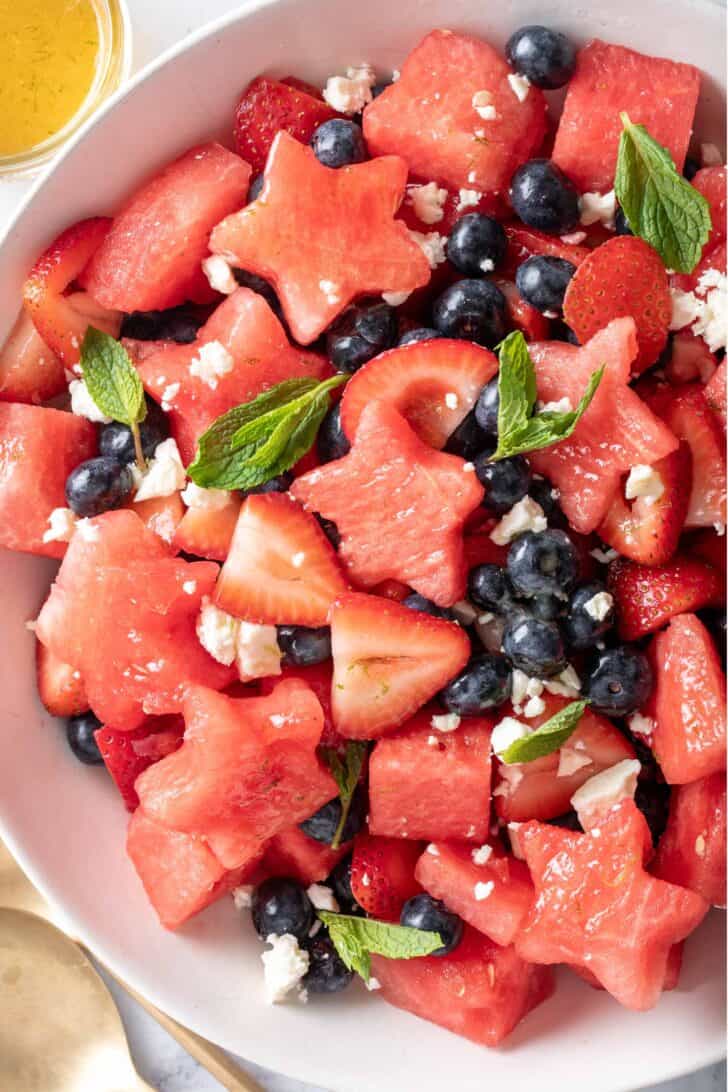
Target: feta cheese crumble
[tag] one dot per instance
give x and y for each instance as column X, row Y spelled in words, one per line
column 322, row 897
column 212, row 362
column 482, row 855
column 257, row 651
column 705, row 310
column 604, row 557
column 563, row 405
column 432, row 245
column 640, row 725
column 351, row 93
column 243, row 896
column 394, row 299
column 520, row 86
column 482, row 102
column 169, row 394
column 599, row 606
column 524, row 516
column 189, row 587
column 217, row 632
column 565, row 685
column 601, row 793
column 211, row 500
column 598, row 208
column 570, row 761
column 61, row 525
column 285, row 965
column 427, row 201
column 330, row 291
column 451, row 400
column 483, row 890
column 433, row 850
column 644, row 481
column 506, row 732
column 445, row 722
column 373, row 983
column 83, row 405
column 165, row 474
column 468, row 199
column 219, row 275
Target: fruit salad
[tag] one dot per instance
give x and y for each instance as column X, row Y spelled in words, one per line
column 382, row 453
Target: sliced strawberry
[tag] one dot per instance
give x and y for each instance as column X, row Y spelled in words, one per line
column 281, row 568
column 646, row 531
column 481, row 550
column 29, row 370
column 319, row 678
column 625, row 276
column 521, row 315
column 399, row 507
column 59, row 324
column 648, row 596
column 388, row 661
column 686, row 412
column 383, row 874
column 60, row 686
column 303, row 85
column 433, row 384
column 715, row 392
column 690, row 358
column 692, row 851
column 711, row 182
column 714, row 257
column 267, row 106
column 523, row 242
column 127, row 754
column 392, row 589
column 208, row 532
column 709, row 545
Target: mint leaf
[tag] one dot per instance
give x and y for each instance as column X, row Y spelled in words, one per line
column 112, row 380
column 355, row 939
column 346, row 774
column 256, row 441
column 548, row 738
column 661, row 206
column 519, row 430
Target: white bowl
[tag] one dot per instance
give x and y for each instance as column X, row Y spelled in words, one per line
column 65, row 822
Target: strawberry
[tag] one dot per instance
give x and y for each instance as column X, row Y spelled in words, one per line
column 60, row 325
column 267, row 106
column 649, row 596
column 208, row 532
column 399, row 507
column 715, row 393
column 625, row 276
column 303, row 85
column 281, row 568
column 433, row 384
column 709, row 545
column 521, row 315
column 690, row 358
column 714, row 257
column 29, row 370
column 388, row 661
column 481, row 550
column 127, row 754
column 392, row 589
column 383, row 874
column 60, row 686
column 711, row 182
column 318, row 677
column 524, row 241
column 646, row 531
column 160, row 514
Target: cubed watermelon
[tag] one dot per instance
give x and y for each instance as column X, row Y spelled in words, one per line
column 692, row 851
column 293, row 853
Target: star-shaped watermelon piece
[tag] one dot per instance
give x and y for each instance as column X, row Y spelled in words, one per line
column 323, row 237
column 597, row 908
column 399, row 507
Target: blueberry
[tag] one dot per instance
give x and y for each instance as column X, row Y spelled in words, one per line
column 545, row 56
column 486, row 408
column 422, row 333
column 490, row 589
column 542, row 281
column 505, row 482
column 548, row 608
column 117, row 442
column 327, row 972
column 302, row 646
column 339, row 880
column 653, row 800
column 471, row 310
column 80, row 735
column 281, row 905
column 619, row 681
column 583, row 629
column 543, row 561
column 97, row 485
column 378, row 88
column 544, row 198
column 468, row 439
column 534, row 646
column 477, row 244
column 256, row 187
column 431, row 915
column 280, row 484
column 178, row 324
column 330, row 529
column 426, row 606
column 323, row 824
column 339, row 143
column 360, row 333
column 260, row 286
column 691, row 168
column 542, row 492
column 483, row 684
column 332, row 442
column 621, row 223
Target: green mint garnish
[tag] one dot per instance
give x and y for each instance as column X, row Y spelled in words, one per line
column 113, row 383
column 552, row 735
column 661, row 206
column 355, row 939
column 346, row 774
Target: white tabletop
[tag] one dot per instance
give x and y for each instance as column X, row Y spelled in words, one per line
column 158, row 24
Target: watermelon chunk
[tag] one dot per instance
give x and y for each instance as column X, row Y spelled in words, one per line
column 480, row 990
column 151, row 257
column 319, row 678
column 692, row 851
column 38, row 450
column 711, row 182
column 428, row 116
column 293, row 853
column 127, row 754
column 207, row 532
column 433, row 785
column 610, row 79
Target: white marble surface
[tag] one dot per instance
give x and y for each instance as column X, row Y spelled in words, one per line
column 158, row 24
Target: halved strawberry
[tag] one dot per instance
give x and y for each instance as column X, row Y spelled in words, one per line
column 58, row 322
column 709, row 545
column 127, row 754
column 388, row 661
column 383, row 874
column 29, row 370
column 521, row 315
column 281, row 568
column 303, row 85
column 690, row 358
column 433, row 384
column 319, row 678
column 523, row 242
column 648, row 596
column 392, row 589
column 267, row 106
column 646, row 531
column 60, row 686
column 481, row 550
column 624, row 276
column 715, row 392
column 711, row 182
column 208, row 532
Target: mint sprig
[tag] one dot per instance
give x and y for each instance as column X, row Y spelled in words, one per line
column 519, row 428
column 346, row 774
column 258, row 440
column 356, row 939
column 660, row 205
column 552, row 735
column 113, row 383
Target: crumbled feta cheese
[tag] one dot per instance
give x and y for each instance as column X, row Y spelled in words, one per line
column 189, row 587
column 571, row 760
column 641, row 725
column 330, row 291
column 482, row 103
column 644, row 481
column 519, row 685
column 219, row 274
column 482, row 855
column 432, row 245
column 88, row 531
column 83, row 405
column 563, row 405
column 395, row 299
column 524, row 516
column 433, row 850
column 217, row 632
column 298, row 559
column 257, row 651
column 366, row 880
column 520, row 86
column 212, row 500
column 212, row 362
column 285, row 965
column 685, row 308
column 469, row 468
column 322, row 897
column 601, row 793
column 427, row 201
column 165, row 474
column 373, row 983
column 61, row 525
column 350, row 94
column 534, row 707
column 598, row 208
column 604, row 557
column 710, row 155
column 565, row 685
column 700, row 845
column 468, row 199
column 712, row 322
column 445, row 722
column 169, row 394
column 599, row 606
column 516, row 848
column 433, row 741
column 573, row 238
column 506, row 732
column 451, row 400
column 243, row 896
column 483, row 890
column 719, row 529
